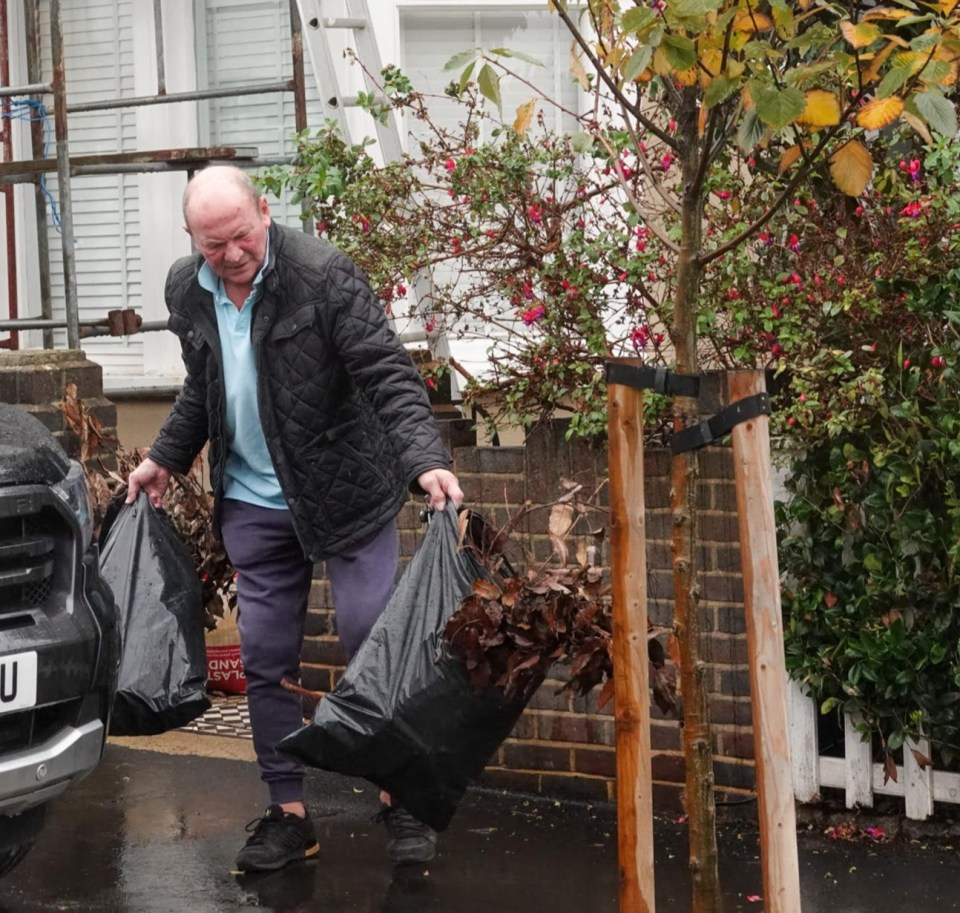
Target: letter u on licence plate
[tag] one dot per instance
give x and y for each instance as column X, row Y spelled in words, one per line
column 18, row 681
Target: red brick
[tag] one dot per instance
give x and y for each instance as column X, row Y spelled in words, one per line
column 535, row 756
column 595, row 761
column 316, row 679
column 731, row 711
column 664, row 736
column 323, row 651
column 669, row 767
column 739, row 776
column 572, row 786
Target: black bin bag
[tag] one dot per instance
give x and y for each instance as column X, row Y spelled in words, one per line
column 163, row 666
column 404, row 715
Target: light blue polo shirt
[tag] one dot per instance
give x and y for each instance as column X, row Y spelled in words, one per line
column 249, row 474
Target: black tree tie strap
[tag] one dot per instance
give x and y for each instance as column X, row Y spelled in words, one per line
column 721, row 424
column 660, row 380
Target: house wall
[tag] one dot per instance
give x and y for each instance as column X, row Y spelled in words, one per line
column 563, row 745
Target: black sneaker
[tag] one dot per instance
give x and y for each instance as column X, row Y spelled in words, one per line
column 410, row 841
column 276, row 840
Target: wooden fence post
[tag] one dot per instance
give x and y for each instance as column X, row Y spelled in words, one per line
column 768, row 674
column 630, row 660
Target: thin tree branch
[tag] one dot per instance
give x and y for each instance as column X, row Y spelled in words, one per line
column 610, row 83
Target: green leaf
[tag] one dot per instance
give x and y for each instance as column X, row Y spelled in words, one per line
column 680, row 51
column 719, row 90
column 461, row 59
column 581, row 142
column 638, row 62
column 465, row 76
column 892, row 81
column 938, row 112
column 778, row 107
column 750, row 131
column 489, row 83
column 637, row 19
column 872, row 562
column 829, row 705
column 506, row 52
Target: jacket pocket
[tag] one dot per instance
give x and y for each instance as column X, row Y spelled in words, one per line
column 300, row 320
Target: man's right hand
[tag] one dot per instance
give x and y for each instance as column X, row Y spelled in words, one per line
column 152, row 478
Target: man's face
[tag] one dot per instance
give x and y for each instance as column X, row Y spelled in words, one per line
column 230, row 231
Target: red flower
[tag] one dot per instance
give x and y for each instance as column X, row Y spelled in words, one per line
column 450, row 164
column 535, row 213
column 794, row 244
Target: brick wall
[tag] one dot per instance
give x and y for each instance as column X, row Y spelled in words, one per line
column 562, row 745
column 36, row 380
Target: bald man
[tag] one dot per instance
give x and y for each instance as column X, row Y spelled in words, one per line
column 319, row 427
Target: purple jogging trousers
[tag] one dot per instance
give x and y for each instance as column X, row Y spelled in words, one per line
column 273, row 583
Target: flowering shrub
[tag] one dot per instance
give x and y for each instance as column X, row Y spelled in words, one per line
column 855, row 304
column 529, row 252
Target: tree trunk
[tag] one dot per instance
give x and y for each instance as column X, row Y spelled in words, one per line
column 684, row 472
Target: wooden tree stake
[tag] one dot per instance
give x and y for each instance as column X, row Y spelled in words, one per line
column 768, row 674
column 630, row 661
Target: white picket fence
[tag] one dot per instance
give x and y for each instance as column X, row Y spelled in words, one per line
column 856, row 773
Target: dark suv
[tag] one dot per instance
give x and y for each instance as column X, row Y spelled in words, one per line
column 59, row 636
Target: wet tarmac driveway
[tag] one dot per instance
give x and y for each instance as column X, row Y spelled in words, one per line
column 157, row 833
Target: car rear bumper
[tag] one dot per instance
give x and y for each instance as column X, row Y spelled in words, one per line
column 38, row 774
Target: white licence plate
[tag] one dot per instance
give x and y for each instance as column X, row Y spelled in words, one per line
column 18, row 681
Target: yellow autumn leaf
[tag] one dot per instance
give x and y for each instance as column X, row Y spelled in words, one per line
column 873, row 74
column 851, row 168
column 880, row 112
column 822, row 109
column 686, row 77
column 702, row 121
column 752, row 21
column 788, row 158
column 661, row 63
column 885, row 12
column 919, row 126
column 645, row 76
column 710, row 63
column 524, row 116
column 860, row 35
column 578, row 69
column 947, row 6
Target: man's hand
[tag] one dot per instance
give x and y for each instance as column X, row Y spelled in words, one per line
column 440, row 484
column 152, row 478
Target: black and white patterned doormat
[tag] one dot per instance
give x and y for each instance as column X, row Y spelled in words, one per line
column 228, row 716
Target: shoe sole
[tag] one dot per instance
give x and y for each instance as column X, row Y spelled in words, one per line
column 308, row 854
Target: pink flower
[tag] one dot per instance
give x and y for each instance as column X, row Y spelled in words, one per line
column 535, row 213
column 914, row 210
column 915, row 170
column 401, row 289
column 764, row 238
column 754, row 898
column 858, row 211
column 532, row 315
column 794, row 244
column 724, row 194
column 450, row 165
column 666, row 162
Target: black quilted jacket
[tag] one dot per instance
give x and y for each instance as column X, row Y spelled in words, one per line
column 344, row 411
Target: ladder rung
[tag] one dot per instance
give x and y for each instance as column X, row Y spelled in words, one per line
column 350, row 101
column 343, row 24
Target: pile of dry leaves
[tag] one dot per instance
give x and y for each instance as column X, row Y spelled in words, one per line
column 513, row 626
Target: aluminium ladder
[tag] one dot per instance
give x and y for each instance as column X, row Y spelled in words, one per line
column 315, row 30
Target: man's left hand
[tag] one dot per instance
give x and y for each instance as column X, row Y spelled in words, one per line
column 440, row 484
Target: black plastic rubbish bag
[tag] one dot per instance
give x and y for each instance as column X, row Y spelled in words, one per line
column 404, row 715
column 163, row 666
